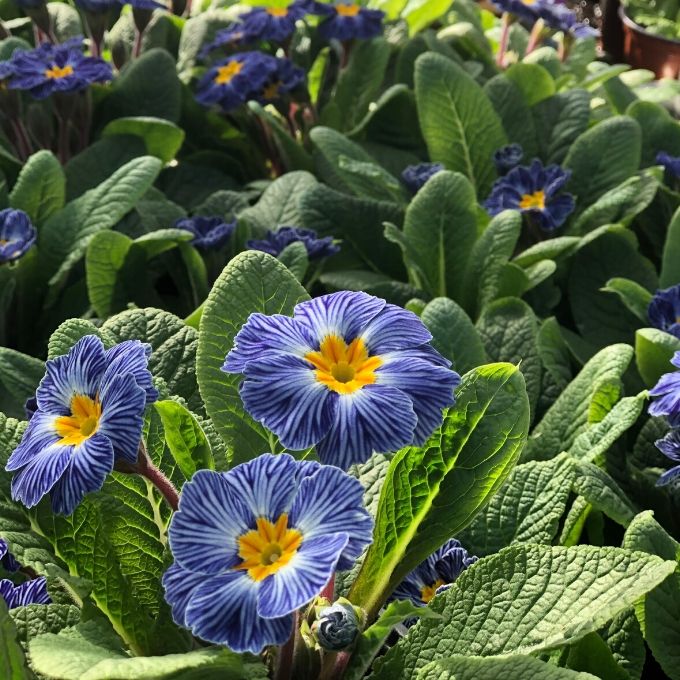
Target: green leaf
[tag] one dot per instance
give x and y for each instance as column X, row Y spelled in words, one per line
column 37, row 619
column 658, row 612
column 654, row 350
column 380, row 285
column 459, row 125
column 19, row 377
column 252, row 282
column 420, row 13
column 40, row 189
column 526, row 599
column 670, row 266
column 568, row 416
column 453, row 334
column 162, row 138
column 12, row 661
column 603, row 493
column 659, row 130
column 592, row 655
column 185, row 438
column 68, row 333
column 535, row 83
column 632, row 294
column 554, row 248
column 602, row 157
column 432, row 492
column 294, row 257
column 624, row 638
column 527, row 508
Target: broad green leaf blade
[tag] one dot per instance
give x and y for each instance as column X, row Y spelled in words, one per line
column 432, row 492
column 419, row 13
column 19, row 378
column 460, row 126
column 568, row 416
column 624, row 638
column 654, row 350
column 294, row 257
column 104, row 259
column 670, row 266
column 12, row 661
column 37, row 619
column 632, row 294
column 591, row 654
column 527, row 599
column 162, row 138
column 252, row 282
column 534, row 81
column 68, row 333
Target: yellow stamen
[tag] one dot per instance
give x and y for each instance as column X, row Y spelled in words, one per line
column 277, row 11
column 81, row 424
column 347, row 10
column 535, row 200
column 428, row 592
column 268, row 548
column 57, row 72
column 227, row 72
column 271, row 91
column 344, row 368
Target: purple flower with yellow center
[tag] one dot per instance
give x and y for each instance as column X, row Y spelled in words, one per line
column 7, row 561
column 522, row 9
column 257, row 543
column 668, row 390
column 664, row 310
column 30, row 592
column 349, row 20
column 508, row 157
column 90, row 407
column 671, row 165
column 272, row 23
column 209, row 233
column 670, row 447
column 56, row 68
column 348, row 373
column 559, row 17
column 285, row 78
column 17, row 234
column 415, row 176
column 437, row 572
column 536, row 191
column 105, row 6
column 276, row 241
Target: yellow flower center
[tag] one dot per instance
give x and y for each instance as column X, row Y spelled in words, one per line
column 59, row 71
column 277, row 11
column 341, row 367
column 3, row 242
column 268, row 548
column 535, row 200
column 81, row 424
column 428, row 592
column 271, row 91
column 347, row 10
column 227, row 72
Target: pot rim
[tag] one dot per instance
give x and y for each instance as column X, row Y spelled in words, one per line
column 629, row 23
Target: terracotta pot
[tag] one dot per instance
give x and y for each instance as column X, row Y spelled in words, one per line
column 642, row 49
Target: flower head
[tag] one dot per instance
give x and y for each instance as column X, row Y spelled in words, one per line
column 437, row 572
column 17, row 234
column 30, row 592
column 337, row 626
column 348, row 373
column 55, row 68
column 522, row 9
column 415, row 176
column 670, row 163
column 668, row 390
column 275, row 242
column 253, row 545
column 508, row 157
column 90, row 406
column 534, row 190
column 664, row 310
column 670, row 447
column 284, row 78
column 559, row 17
column 348, row 20
column 271, row 23
column 209, row 233
column 7, row 561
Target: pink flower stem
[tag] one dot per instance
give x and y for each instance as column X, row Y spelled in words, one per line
column 148, row 470
column 505, row 37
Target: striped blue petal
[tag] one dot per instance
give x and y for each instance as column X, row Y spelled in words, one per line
column 263, row 336
column 123, row 402
column 303, row 578
column 283, row 393
column 343, row 314
column 131, row 356
column 179, row 584
column 204, row 532
column 393, row 329
column 330, row 502
column 39, row 434
column 30, row 592
column 223, row 610
column 87, row 470
column 376, row 418
column 78, row 372
column 36, row 479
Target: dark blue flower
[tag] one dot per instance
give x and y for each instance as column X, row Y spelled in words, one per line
column 559, row 17
column 670, row 446
column 664, row 310
column 436, row 573
column 508, row 157
column 670, row 163
column 29, row 4
column 523, row 9
column 668, row 390
column 7, row 561
column 534, row 190
column 415, row 176
column 17, row 234
column 90, row 407
column 55, row 68
column 209, row 232
column 275, row 242
column 285, row 78
column 348, row 373
column 348, row 20
column 30, row 592
column 255, row 544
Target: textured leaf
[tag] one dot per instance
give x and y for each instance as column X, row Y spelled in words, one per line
column 162, row 138
column 68, row 333
column 19, row 378
column 380, row 285
column 432, row 492
column 624, row 638
column 654, row 350
column 40, row 189
column 551, row 249
column 526, row 599
column 632, row 294
column 670, row 266
column 12, row 661
column 533, row 80
column 603, row 493
column 37, row 619
column 591, row 654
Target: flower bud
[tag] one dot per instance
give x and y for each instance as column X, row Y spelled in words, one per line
column 337, row 626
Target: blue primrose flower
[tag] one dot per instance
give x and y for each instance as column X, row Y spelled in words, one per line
column 435, row 574
column 670, row 163
column 104, row 6
column 559, row 17
column 348, row 373
column 522, row 9
column 536, row 191
column 276, row 241
column 30, row 592
column 55, row 68
column 17, row 234
column 284, row 78
column 670, row 447
column 508, row 157
column 415, row 176
column 90, row 407
column 668, row 390
column 209, row 233
column 257, row 543
column 348, row 20
column 664, row 310
column 7, row 561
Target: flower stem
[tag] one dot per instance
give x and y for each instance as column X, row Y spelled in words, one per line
column 329, row 590
column 284, row 662
column 505, row 37
column 147, row 469
column 334, row 665
column 535, row 37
